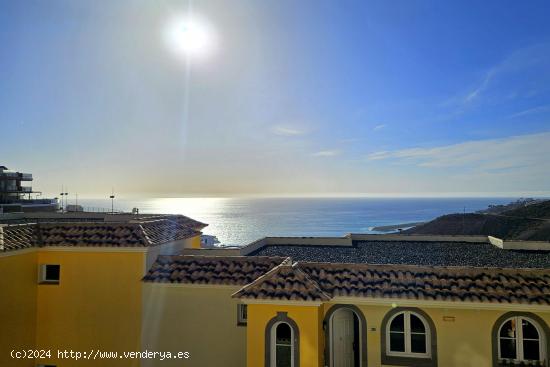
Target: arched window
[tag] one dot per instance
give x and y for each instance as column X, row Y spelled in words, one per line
column 408, row 338
column 282, row 345
column 282, row 342
column 521, row 339
column 407, row 335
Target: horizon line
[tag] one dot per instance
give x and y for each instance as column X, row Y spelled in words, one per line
column 464, row 195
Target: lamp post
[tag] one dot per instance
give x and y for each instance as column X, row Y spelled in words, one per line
column 112, row 197
column 62, row 194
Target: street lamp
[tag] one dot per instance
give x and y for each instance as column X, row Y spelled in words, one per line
column 112, row 197
column 63, row 193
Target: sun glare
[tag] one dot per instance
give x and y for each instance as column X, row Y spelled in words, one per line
column 190, row 36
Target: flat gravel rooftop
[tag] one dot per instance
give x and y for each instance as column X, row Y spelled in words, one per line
column 413, row 253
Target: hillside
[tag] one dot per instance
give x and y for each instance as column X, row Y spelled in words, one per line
column 539, row 210
column 499, row 209
column 530, row 222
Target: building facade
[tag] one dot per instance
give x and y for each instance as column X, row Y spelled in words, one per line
column 360, row 301
column 15, row 193
column 76, row 285
column 144, row 285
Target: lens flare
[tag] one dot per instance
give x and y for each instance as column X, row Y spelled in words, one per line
column 190, row 36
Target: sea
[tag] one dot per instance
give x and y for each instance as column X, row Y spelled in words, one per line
column 239, row 221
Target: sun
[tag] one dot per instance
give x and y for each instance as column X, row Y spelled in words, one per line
column 190, row 36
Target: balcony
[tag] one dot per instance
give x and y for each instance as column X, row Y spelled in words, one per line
column 20, row 190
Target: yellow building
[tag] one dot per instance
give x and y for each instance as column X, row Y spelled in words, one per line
column 187, row 306
column 354, row 301
column 141, row 287
column 75, row 286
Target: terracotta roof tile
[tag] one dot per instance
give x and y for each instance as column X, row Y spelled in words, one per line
column 165, row 230
column 529, row 286
column 220, row 270
column 91, row 234
column 285, row 282
column 321, row 281
column 139, row 233
column 273, row 278
column 19, row 237
column 186, row 221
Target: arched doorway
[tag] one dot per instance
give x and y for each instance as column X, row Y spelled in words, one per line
column 345, row 337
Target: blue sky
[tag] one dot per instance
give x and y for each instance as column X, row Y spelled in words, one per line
column 299, row 98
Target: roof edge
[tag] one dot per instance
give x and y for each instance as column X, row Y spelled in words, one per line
column 287, row 263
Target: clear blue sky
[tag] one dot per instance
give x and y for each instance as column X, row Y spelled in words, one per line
column 299, row 97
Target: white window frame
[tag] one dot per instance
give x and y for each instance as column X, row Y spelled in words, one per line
column 42, row 274
column 273, row 353
column 519, row 339
column 241, row 319
column 408, row 333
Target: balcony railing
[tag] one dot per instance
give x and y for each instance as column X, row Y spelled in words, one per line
column 22, row 189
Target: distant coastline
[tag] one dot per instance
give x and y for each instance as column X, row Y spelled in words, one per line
column 524, row 219
column 492, row 209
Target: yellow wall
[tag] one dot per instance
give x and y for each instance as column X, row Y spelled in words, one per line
column 198, row 320
column 97, row 305
column 194, row 242
column 18, row 276
column 465, row 342
column 309, row 323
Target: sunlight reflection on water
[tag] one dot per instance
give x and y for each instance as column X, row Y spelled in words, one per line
column 237, row 221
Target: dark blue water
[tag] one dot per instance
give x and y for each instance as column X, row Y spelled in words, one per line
column 240, row 221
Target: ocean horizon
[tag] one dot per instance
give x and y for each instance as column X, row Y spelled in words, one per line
column 239, row 221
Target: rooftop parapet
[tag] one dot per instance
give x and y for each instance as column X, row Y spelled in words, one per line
column 425, row 250
column 519, row 245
